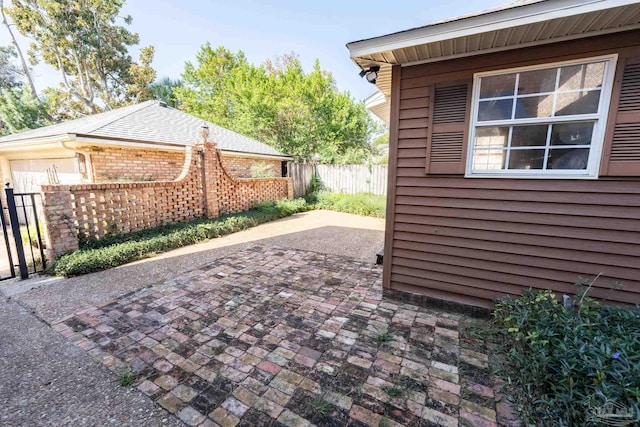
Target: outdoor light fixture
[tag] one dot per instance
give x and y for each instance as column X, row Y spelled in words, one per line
column 371, row 74
column 204, row 132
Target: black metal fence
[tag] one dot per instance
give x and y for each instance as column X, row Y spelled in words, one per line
column 23, row 232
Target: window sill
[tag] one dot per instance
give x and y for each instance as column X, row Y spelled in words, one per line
column 529, row 176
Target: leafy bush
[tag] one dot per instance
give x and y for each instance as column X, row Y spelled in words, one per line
column 361, row 203
column 572, row 362
column 315, row 186
column 119, row 249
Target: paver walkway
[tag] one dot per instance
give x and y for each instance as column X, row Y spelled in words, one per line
column 270, row 336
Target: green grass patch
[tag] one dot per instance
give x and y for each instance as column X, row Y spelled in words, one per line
column 126, row 378
column 384, row 338
column 115, row 250
column 361, row 203
column 573, row 365
column 392, row 391
column 29, row 235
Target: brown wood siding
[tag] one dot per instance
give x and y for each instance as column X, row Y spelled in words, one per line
column 470, row 240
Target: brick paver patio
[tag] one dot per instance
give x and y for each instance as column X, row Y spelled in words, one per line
column 272, row 336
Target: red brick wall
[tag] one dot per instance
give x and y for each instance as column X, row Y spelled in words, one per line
column 115, row 164
column 95, row 210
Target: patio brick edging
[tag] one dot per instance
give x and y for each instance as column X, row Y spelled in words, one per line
column 204, row 188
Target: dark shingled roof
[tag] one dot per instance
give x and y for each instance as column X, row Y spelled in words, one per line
column 150, row 121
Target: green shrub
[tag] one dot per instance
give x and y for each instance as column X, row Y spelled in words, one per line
column 315, row 186
column 570, row 362
column 361, row 203
column 115, row 250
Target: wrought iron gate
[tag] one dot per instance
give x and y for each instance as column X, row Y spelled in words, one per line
column 23, row 252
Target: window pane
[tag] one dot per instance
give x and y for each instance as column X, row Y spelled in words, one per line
column 523, row 136
column 491, row 159
column 537, row 81
column 488, row 153
column 534, row 106
column 577, row 103
column 494, row 110
column 572, row 158
column 581, row 76
column 491, row 137
column 526, row 159
column 494, row 86
column 572, row 133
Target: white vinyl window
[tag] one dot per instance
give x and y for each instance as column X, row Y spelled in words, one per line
column 540, row 122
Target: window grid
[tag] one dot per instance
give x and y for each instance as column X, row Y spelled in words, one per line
column 550, row 121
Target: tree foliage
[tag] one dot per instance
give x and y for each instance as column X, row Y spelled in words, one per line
column 19, row 110
column 83, row 41
column 10, row 74
column 164, row 90
column 277, row 102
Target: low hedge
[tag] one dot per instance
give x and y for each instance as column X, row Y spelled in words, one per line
column 361, row 203
column 119, row 249
column 574, row 365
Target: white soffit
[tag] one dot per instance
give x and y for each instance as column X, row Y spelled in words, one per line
column 378, row 105
column 521, row 24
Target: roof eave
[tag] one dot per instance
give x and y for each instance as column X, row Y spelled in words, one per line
column 79, row 139
column 474, row 25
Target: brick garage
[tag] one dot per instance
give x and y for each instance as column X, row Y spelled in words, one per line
column 204, row 188
column 138, row 143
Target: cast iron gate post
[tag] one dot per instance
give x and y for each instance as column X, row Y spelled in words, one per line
column 15, row 230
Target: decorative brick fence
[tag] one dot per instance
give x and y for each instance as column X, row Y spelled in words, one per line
column 204, row 188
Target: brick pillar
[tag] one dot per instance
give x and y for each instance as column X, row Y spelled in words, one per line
column 212, row 176
column 60, row 225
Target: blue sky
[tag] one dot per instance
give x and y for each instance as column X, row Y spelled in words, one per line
column 263, row 29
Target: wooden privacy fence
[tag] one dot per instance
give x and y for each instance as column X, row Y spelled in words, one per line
column 348, row 179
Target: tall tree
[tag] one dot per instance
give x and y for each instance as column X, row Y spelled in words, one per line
column 164, row 90
column 83, row 41
column 206, row 92
column 279, row 103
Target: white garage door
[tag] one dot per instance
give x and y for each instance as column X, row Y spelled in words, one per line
column 29, row 175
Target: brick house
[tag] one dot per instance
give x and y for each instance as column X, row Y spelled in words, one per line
column 142, row 142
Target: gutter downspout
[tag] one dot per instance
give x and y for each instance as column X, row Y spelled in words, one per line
column 86, row 154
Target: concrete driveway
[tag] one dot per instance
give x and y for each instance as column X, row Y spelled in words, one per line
column 321, row 231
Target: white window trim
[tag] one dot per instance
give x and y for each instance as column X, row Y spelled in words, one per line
column 600, row 126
